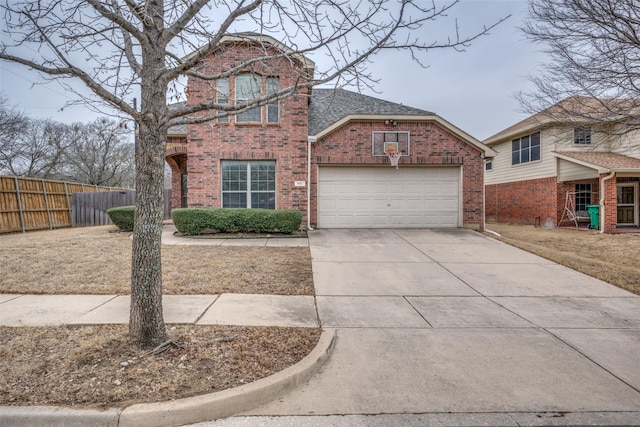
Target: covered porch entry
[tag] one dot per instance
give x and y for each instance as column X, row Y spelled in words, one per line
column 617, row 181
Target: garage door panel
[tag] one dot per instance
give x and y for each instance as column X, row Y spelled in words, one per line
column 351, row 197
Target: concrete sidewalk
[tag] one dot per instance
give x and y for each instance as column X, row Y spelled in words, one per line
column 225, row 309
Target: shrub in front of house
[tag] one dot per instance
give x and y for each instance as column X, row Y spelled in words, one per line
column 192, row 221
column 122, row 217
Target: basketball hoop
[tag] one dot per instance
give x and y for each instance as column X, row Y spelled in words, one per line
column 394, row 157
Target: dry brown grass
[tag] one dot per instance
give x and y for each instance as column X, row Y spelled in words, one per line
column 97, row 260
column 81, row 365
column 95, row 366
column 613, row 258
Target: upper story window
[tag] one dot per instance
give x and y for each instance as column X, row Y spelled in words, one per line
column 582, row 135
column 525, row 149
column 488, row 165
column 222, row 92
column 248, row 87
column 273, row 110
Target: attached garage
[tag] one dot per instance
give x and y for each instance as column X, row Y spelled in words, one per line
column 385, row 197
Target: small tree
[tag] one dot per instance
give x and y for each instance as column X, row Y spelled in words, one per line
column 119, row 48
column 594, row 61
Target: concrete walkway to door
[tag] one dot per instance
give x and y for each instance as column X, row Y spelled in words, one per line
column 454, row 322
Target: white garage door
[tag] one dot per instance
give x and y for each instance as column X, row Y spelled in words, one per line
column 385, row 197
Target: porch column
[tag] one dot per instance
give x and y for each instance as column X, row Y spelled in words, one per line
column 610, row 204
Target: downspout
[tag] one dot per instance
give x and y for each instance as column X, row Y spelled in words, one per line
column 602, row 187
column 310, row 141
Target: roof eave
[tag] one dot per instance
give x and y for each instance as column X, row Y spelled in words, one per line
column 175, row 134
column 262, row 38
column 599, row 169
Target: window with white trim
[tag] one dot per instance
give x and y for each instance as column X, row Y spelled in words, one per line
column 525, row 149
column 249, row 184
column 248, row 87
column 273, row 110
column 488, row 165
column 583, row 196
column 582, row 135
column 222, row 94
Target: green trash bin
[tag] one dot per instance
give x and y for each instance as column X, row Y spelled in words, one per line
column 594, row 214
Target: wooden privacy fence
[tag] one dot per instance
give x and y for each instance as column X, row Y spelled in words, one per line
column 37, row 204
column 91, row 208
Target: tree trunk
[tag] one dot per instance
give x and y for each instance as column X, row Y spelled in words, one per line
column 146, row 322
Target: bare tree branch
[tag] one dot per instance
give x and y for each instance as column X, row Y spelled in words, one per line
column 594, row 60
column 125, row 48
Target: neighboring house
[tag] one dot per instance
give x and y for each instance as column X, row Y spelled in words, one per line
column 548, row 170
column 323, row 152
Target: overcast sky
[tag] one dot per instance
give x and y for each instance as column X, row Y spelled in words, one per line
column 473, row 90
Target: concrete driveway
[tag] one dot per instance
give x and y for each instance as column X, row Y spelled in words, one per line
column 451, row 321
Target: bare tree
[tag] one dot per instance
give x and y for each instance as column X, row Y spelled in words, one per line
column 100, row 154
column 12, row 122
column 593, row 72
column 119, row 47
column 36, row 149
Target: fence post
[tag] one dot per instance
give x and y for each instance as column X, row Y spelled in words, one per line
column 46, row 203
column 66, row 200
column 17, row 184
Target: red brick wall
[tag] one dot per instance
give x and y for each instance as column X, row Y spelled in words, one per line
column 430, row 145
column 610, row 204
column 285, row 142
column 522, row 201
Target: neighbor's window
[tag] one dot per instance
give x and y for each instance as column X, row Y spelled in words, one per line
column 249, row 184
column 583, row 196
column 222, row 92
column 248, row 87
column 582, row 135
column 525, row 149
column 273, row 112
column 488, row 165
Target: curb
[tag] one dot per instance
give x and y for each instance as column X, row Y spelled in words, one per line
column 181, row 411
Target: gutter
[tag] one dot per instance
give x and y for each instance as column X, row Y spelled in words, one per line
column 311, row 140
column 602, row 187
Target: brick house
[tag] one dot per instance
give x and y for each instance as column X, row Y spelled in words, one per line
column 322, row 151
column 547, row 170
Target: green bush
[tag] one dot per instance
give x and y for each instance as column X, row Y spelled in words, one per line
column 122, row 217
column 191, row 221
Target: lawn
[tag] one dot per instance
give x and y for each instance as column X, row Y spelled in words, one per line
column 97, row 260
column 614, row 258
column 96, row 366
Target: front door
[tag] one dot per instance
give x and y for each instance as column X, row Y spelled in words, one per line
column 627, row 198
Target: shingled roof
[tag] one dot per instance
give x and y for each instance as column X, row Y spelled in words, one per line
column 606, row 160
column 328, row 106
column 573, row 110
